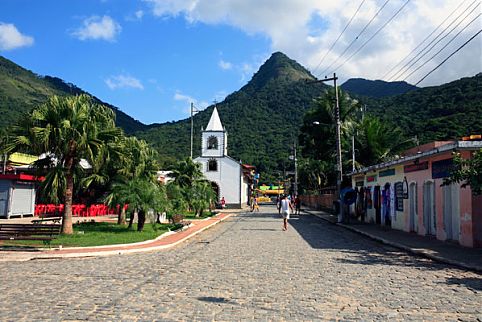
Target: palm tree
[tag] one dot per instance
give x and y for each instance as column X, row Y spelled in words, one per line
column 186, row 172
column 132, row 158
column 201, row 195
column 142, row 195
column 377, row 141
column 66, row 130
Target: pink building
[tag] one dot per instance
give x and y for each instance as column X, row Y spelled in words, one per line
column 407, row 194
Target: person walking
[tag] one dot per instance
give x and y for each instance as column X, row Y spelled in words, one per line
column 297, row 205
column 286, row 206
column 255, row 204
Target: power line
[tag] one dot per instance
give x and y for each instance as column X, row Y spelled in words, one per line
column 453, row 38
column 344, row 29
column 438, row 41
column 356, row 38
column 373, row 36
column 420, row 44
column 414, row 60
column 471, row 38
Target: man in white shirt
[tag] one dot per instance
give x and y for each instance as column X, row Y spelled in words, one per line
column 286, row 206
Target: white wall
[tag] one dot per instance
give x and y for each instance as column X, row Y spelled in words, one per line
column 227, row 177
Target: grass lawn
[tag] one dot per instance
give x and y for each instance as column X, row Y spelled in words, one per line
column 98, row 234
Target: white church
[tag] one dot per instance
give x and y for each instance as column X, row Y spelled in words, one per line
column 225, row 173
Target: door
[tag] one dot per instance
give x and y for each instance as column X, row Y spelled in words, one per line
column 4, row 188
column 451, row 211
column 429, row 208
column 413, row 200
column 377, row 203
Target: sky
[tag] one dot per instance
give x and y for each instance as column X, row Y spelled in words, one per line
column 152, row 58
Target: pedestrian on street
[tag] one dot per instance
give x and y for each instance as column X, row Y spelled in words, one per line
column 255, row 204
column 223, row 203
column 286, row 206
column 297, row 205
column 278, row 204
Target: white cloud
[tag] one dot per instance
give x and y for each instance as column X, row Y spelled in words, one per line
column 187, row 99
column 11, row 38
column 95, row 27
column 304, row 30
column 225, row 65
column 139, row 14
column 123, row 81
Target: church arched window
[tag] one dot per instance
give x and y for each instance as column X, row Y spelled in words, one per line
column 212, row 143
column 212, row 165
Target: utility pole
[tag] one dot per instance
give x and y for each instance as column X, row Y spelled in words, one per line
column 296, row 170
column 193, row 109
column 353, row 153
column 339, row 168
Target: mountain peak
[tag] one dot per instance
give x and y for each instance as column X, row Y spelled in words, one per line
column 279, row 67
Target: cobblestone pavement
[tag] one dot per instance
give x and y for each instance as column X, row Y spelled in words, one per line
column 246, row 268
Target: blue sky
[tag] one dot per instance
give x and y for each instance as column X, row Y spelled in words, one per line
column 151, row 58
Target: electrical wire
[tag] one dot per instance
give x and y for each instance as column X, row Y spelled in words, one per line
column 471, row 38
column 421, row 43
column 344, row 29
column 453, row 38
column 410, row 63
column 356, row 38
column 373, row 36
column 438, row 41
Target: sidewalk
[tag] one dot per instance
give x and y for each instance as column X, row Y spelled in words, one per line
column 445, row 252
column 164, row 241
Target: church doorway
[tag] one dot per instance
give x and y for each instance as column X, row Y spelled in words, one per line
column 215, row 187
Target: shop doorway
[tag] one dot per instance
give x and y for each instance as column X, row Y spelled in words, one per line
column 377, row 204
column 413, row 200
column 429, row 208
column 451, row 211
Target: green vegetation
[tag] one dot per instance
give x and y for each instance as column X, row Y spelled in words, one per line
column 376, row 88
column 65, row 130
column 264, row 117
column 21, row 91
column 468, row 172
column 374, row 141
column 90, row 234
column 444, row 112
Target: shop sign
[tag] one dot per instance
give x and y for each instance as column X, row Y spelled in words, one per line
column 442, row 168
column 399, row 195
column 386, row 173
column 359, row 183
column 372, row 178
column 416, row 167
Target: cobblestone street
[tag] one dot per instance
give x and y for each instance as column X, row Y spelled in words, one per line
column 245, row 268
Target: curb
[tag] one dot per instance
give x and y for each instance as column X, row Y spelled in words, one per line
column 419, row 252
column 26, row 257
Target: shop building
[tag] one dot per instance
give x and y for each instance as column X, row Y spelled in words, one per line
column 408, row 194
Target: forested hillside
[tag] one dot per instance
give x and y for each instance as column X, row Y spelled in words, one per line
column 21, row 90
column 262, row 118
column 443, row 112
column 376, row 88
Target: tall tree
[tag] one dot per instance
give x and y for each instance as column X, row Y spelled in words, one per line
column 65, row 131
column 132, row 159
column 377, row 141
column 186, row 172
